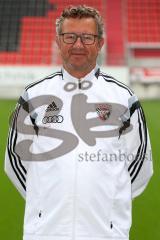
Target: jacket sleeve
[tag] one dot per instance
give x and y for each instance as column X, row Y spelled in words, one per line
column 138, row 149
column 15, row 167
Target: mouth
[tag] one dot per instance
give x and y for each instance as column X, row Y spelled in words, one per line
column 81, row 54
column 78, row 55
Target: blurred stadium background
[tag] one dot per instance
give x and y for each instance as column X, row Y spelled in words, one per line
column 131, row 54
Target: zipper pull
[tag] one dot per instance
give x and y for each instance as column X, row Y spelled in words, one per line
column 40, row 214
column 111, row 225
column 79, row 83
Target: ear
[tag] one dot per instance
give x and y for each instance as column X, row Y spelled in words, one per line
column 100, row 43
column 58, row 41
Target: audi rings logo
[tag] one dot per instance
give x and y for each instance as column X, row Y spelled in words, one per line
column 53, row 119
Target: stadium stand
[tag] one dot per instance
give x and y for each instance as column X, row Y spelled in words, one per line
column 143, row 21
column 143, row 31
column 131, row 51
column 27, row 30
column 143, row 46
column 114, row 31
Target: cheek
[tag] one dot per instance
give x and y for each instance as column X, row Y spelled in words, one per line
column 94, row 51
column 64, row 50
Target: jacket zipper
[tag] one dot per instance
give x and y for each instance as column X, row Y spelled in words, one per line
column 75, row 185
column 74, row 201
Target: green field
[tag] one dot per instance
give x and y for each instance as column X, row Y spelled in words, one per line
column 146, row 208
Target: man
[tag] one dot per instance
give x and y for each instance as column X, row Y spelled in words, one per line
column 78, row 148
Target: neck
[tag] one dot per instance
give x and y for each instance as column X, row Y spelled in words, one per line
column 78, row 73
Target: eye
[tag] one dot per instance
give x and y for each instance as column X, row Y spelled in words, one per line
column 88, row 37
column 69, row 36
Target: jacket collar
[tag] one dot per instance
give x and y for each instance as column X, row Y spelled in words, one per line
column 68, row 77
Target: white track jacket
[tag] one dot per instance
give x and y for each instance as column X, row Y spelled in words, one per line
column 78, row 151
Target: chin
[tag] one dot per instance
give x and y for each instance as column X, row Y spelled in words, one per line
column 79, row 67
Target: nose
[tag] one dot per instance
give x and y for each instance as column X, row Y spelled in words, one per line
column 78, row 42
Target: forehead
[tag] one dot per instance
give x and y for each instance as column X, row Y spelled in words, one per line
column 86, row 25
